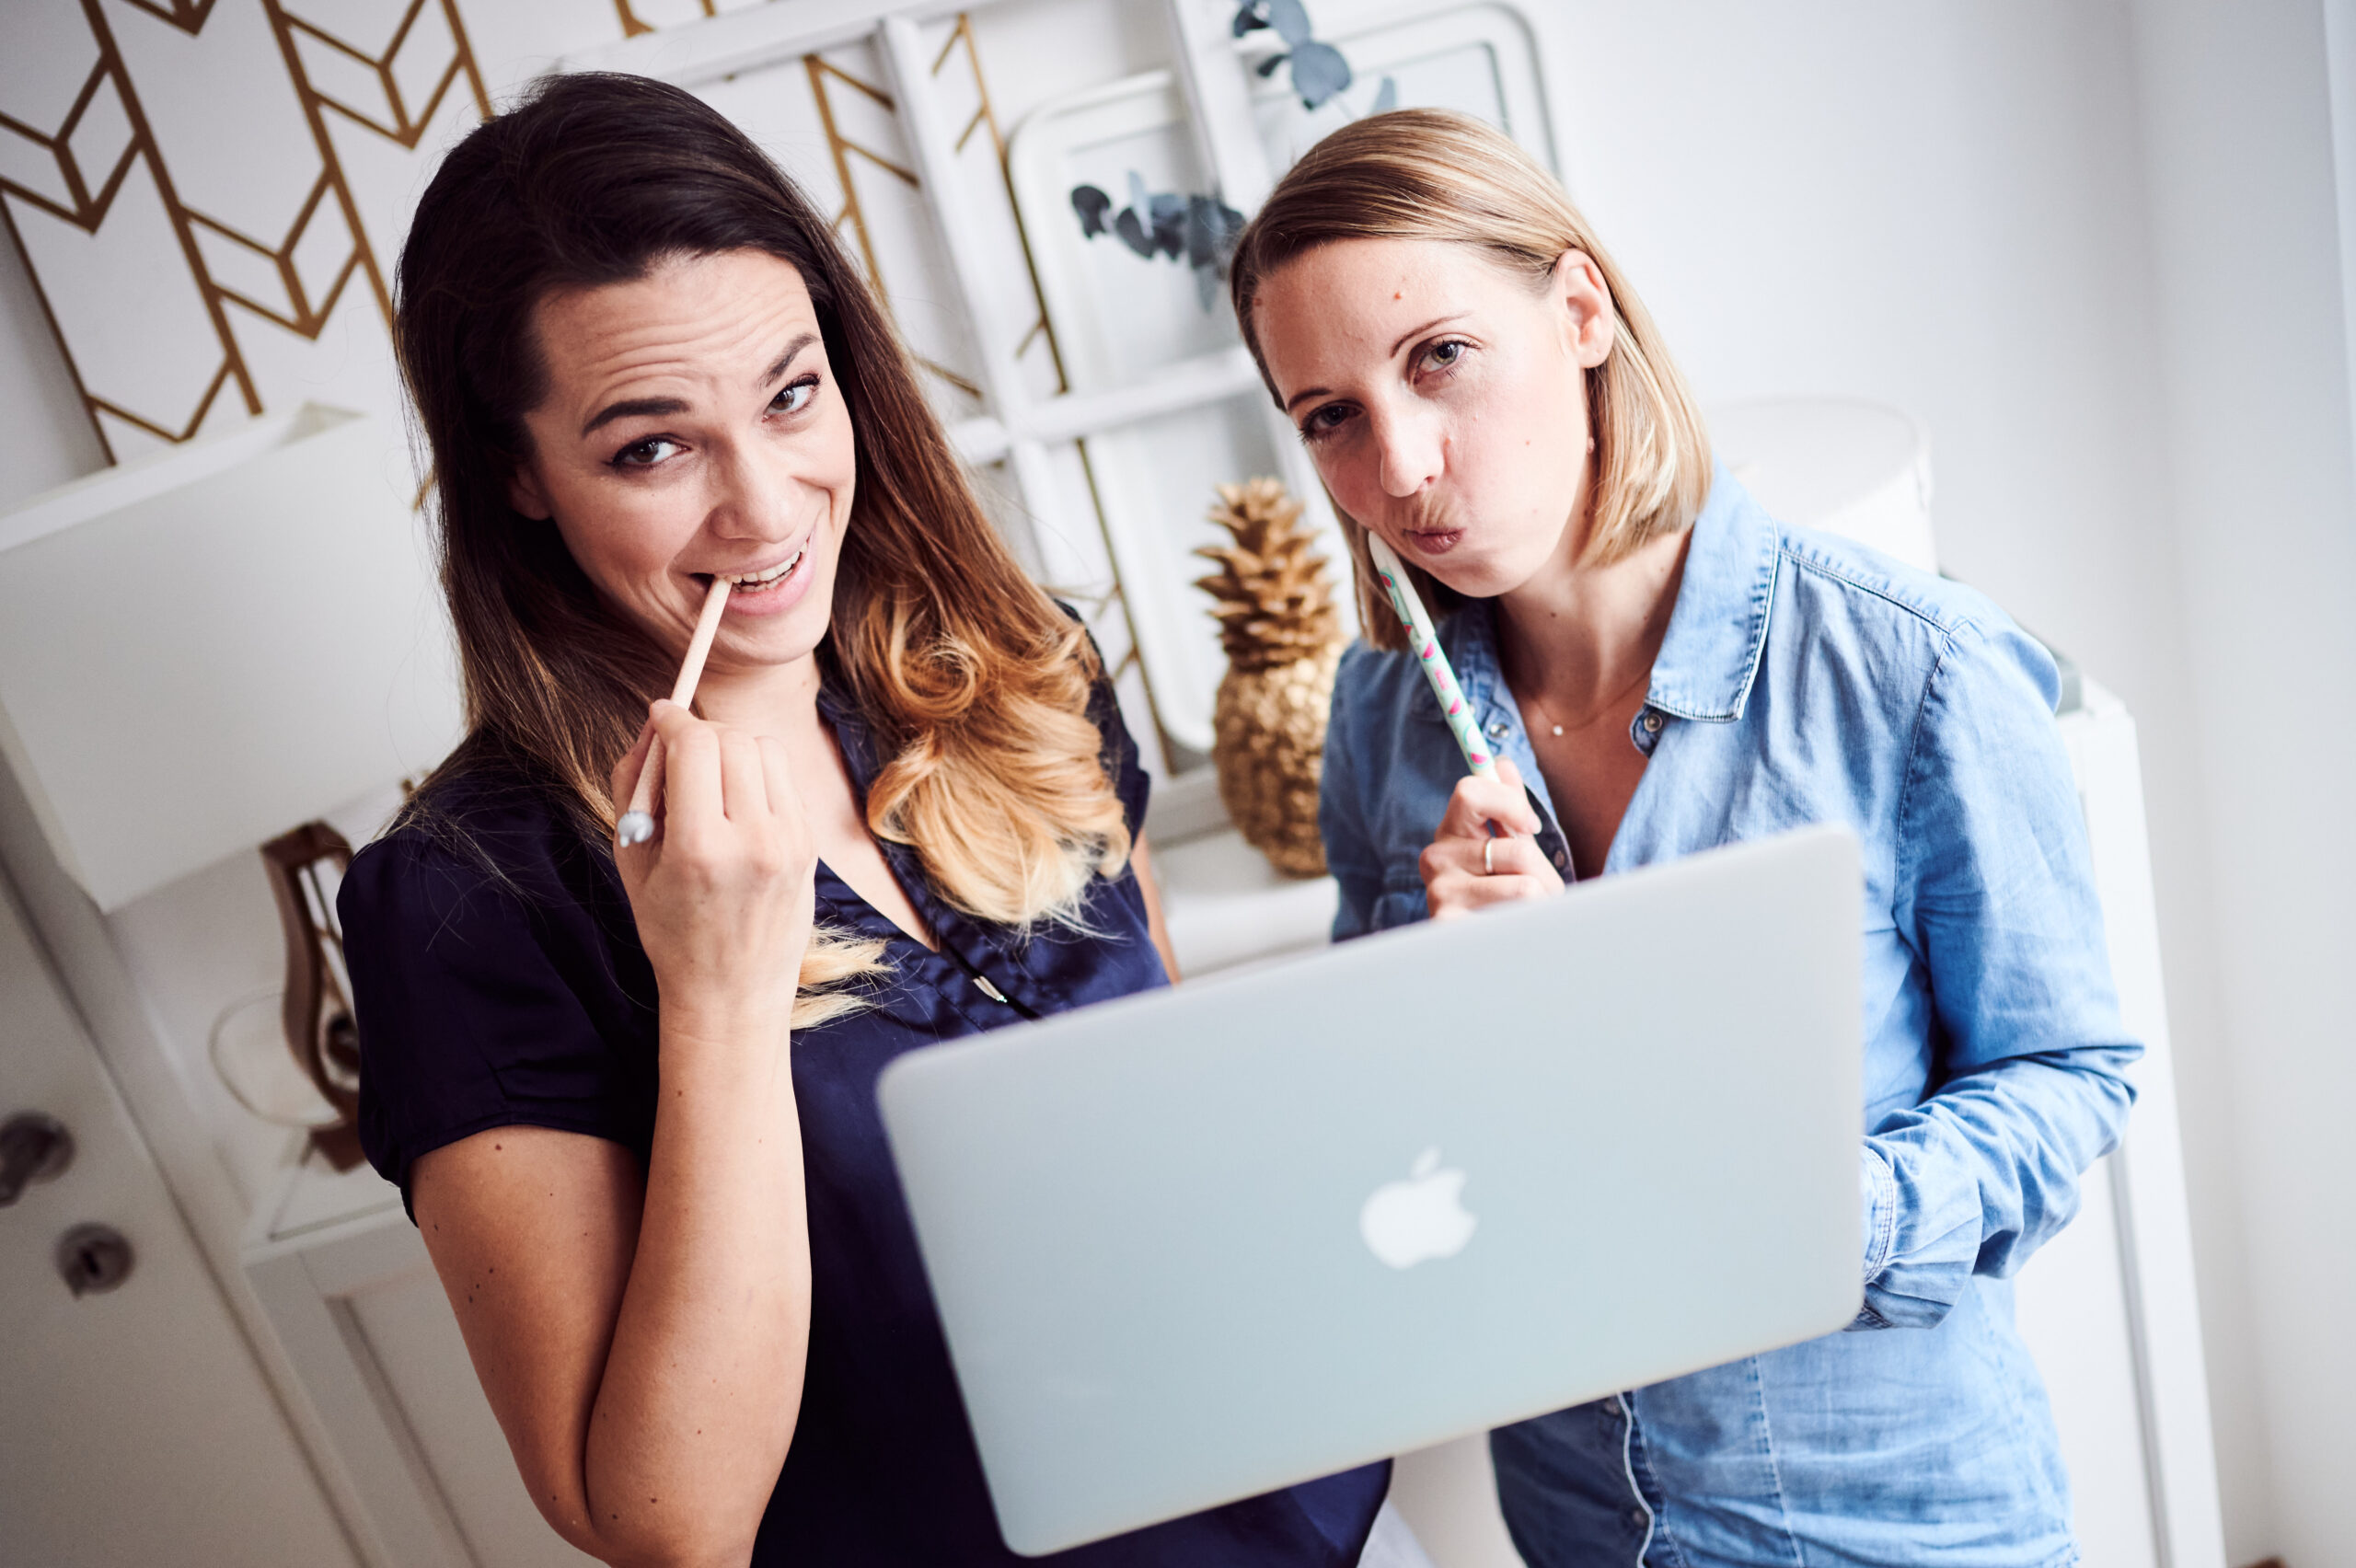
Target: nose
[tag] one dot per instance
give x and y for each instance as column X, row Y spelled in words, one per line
column 1410, row 446
column 757, row 495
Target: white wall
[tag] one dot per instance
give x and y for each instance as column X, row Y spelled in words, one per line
column 2094, row 245
column 2239, row 141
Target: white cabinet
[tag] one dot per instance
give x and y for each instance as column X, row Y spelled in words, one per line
column 139, row 1429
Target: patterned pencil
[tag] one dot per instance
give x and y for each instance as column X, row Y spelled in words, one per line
column 1425, row 642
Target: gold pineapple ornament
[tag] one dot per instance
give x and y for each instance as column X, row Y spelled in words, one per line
column 1283, row 638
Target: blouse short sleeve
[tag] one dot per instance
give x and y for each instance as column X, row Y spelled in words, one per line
column 1131, row 784
column 488, row 999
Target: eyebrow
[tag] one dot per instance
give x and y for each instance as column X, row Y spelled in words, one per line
column 1434, row 321
column 785, row 361
column 1412, row 332
column 655, row 407
column 632, row 407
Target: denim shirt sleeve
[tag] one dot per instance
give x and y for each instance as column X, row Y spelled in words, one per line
column 1995, row 896
column 1351, row 856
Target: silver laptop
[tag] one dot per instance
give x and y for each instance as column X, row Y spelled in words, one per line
column 1202, row 1243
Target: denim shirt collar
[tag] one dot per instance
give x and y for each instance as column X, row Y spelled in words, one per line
column 1710, row 655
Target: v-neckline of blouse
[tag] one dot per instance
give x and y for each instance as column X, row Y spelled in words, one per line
column 916, row 901
column 837, row 890
column 854, row 743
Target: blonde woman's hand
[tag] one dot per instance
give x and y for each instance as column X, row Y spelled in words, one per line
column 723, row 892
column 1456, row 879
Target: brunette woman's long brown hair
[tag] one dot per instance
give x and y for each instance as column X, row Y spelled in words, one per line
column 976, row 683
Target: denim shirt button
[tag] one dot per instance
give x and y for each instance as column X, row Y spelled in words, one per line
column 1498, row 727
column 1652, row 721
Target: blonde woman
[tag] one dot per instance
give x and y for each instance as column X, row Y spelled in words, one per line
column 630, row 1095
column 1662, row 668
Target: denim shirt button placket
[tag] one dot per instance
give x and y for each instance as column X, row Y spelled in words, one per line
column 1643, row 730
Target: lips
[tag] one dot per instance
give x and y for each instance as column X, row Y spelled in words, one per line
column 752, row 581
column 763, row 579
column 1434, row 541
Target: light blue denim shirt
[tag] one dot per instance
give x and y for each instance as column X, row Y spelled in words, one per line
column 1807, row 679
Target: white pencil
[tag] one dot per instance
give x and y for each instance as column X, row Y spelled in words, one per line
column 636, row 824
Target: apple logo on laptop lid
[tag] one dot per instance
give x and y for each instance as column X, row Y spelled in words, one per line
column 1406, row 1223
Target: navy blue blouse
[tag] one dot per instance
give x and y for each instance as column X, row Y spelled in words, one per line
column 508, row 986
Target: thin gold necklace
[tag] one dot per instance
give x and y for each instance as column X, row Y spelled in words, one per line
column 1549, row 718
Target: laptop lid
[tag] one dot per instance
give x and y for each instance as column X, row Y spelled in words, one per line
column 1197, row 1244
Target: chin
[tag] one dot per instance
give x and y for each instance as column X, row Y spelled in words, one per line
column 1479, row 574
column 789, row 639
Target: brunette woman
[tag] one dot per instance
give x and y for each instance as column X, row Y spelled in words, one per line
column 1670, row 669
column 628, row 1095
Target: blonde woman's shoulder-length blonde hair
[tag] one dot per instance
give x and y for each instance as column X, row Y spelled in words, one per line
column 974, row 683
column 1425, row 174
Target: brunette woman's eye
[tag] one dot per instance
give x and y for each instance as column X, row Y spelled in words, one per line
column 645, row 454
column 795, row 396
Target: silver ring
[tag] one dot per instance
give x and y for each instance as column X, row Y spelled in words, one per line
column 1487, row 845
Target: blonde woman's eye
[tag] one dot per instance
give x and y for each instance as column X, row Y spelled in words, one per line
column 1447, row 354
column 1323, row 420
column 795, row 396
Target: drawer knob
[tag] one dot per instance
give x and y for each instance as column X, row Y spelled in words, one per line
column 33, row 1147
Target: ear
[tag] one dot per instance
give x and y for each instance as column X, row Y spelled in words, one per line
column 525, row 494
column 1578, row 289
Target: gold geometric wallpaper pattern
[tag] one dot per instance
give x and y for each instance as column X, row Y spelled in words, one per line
column 105, row 133
column 852, row 153
column 169, row 136
column 208, row 194
column 318, row 59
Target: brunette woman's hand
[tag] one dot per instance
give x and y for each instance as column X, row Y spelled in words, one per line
column 1456, row 880
column 724, row 894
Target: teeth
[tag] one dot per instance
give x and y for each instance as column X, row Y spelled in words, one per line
column 761, row 579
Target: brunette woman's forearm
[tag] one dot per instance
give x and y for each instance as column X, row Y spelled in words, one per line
column 702, row 1383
